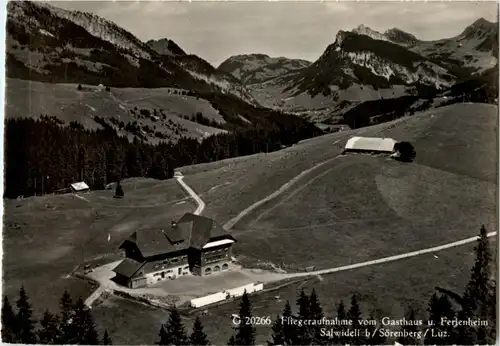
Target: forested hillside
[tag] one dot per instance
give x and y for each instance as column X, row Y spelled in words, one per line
column 42, row 156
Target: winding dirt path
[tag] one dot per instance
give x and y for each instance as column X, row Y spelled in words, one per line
column 228, row 225
column 201, row 205
column 391, row 258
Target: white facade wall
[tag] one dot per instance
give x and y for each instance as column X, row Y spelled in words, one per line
column 238, row 291
column 210, row 299
column 258, row 287
column 220, row 296
column 154, row 277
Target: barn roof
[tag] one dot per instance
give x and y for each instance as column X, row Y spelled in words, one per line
column 79, row 186
column 371, row 143
column 128, row 267
column 190, row 231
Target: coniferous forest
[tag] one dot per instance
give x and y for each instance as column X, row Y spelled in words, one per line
column 43, row 156
column 75, row 325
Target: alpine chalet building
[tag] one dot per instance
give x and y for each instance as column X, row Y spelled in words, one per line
column 194, row 244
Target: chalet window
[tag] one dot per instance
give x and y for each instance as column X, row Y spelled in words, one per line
column 174, row 260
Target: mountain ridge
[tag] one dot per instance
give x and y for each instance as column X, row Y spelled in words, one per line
column 257, row 68
column 430, row 49
column 56, row 48
column 49, row 44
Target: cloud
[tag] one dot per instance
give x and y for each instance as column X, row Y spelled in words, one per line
column 217, row 29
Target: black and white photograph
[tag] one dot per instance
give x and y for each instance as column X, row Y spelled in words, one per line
column 250, row 173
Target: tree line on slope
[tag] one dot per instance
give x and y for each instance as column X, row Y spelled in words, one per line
column 75, row 324
column 44, row 157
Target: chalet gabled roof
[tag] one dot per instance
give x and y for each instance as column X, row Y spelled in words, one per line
column 128, row 267
column 203, row 230
column 190, row 231
column 152, row 242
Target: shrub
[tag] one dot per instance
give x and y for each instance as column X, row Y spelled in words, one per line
column 119, row 191
column 80, row 87
column 406, row 151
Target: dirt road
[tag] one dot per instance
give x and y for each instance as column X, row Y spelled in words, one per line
column 201, row 205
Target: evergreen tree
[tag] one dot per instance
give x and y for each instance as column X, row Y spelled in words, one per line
column 198, row 336
column 278, row 335
column 439, row 333
column 66, row 328
column 232, row 341
column 245, row 331
column 374, row 337
column 341, row 316
column 476, row 291
column 159, row 167
column 492, row 313
column 106, row 340
column 463, row 334
column 119, row 190
column 316, row 314
column 411, row 331
column 289, row 329
column 9, row 331
column 49, row 334
column 479, row 290
column 354, row 315
column 304, row 336
column 164, row 337
column 83, row 325
column 134, row 162
column 25, row 325
column 447, row 311
column 174, row 332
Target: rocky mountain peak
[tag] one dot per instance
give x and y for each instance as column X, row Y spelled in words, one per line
column 480, row 29
column 31, row 14
column 399, row 36
column 165, row 46
column 367, row 31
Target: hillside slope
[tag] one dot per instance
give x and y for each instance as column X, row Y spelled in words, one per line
column 257, row 68
column 451, row 187
column 49, row 44
column 151, row 114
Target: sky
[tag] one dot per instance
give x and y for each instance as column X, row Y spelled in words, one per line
column 216, row 30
